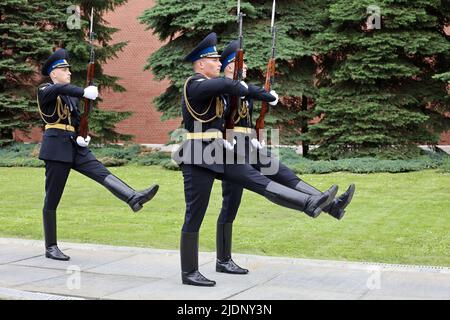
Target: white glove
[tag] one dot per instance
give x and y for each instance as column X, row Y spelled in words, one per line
column 228, row 145
column 273, row 93
column 91, row 92
column 256, row 144
column 82, row 142
column 246, row 87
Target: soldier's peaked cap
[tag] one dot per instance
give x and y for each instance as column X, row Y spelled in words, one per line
column 58, row 59
column 229, row 53
column 205, row 49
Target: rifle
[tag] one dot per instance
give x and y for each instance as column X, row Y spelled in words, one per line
column 235, row 102
column 88, row 104
column 270, row 77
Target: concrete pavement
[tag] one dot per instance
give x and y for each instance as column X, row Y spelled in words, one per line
column 108, row 272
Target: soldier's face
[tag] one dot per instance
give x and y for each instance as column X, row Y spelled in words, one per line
column 210, row 67
column 60, row 75
column 229, row 71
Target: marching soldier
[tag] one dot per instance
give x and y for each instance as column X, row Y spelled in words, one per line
column 62, row 151
column 232, row 193
column 201, row 156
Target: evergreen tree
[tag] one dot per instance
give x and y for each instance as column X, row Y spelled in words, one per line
column 31, row 31
column 372, row 90
column 302, row 20
column 101, row 122
column 378, row 93
column 443, row 76
column 184, row 24
column 22, row 38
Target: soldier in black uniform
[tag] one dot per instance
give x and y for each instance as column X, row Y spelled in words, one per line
column 201, row 156
column 232, row 193
column 62, row 150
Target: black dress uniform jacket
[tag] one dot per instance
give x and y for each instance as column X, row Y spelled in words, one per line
column 243, row 117
column 58, row 104
column 204, row 101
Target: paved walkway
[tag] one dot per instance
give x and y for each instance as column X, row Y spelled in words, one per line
column 108, row 272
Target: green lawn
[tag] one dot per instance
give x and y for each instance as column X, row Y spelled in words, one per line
column 394, row 218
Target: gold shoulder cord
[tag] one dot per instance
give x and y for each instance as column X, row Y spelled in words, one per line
column 63, row 112
column 196, row 115
column 242, row 112
column 219, row 107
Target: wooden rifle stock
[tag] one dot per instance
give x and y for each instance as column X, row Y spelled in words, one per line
column 235, row 101
column 270, row 74
column 270, row 77
column 88, row 104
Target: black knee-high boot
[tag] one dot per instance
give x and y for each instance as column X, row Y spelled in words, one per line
column 310, row 204
column 224, row 263
column 124, row 192
column 189, row 261
column 51, row 248
column 336, row 207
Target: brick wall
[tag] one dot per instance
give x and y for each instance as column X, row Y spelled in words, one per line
column 445, row 138
column 145, row 123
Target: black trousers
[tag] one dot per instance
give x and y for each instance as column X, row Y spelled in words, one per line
column 232, row 193
column 56, row 174
column 198, row 182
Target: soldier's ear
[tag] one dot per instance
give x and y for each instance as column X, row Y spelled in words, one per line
column 198, row 64
column 51, row 74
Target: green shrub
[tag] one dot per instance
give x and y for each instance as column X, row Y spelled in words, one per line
column 18, row 150
column 445, row 167
column 171, row 165
column 366, row 165
column 401, row 152
column 26, row 155
column 152, row 158
column 21, row 162
column 112, row 162
column 126, row 152
column 300, row 165
column 20, row 155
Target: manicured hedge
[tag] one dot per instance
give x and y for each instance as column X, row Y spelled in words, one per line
column 25, row 155
column 362, row 165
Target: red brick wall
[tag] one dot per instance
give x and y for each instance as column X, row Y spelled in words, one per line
column 145, row 122
column 445, row 138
